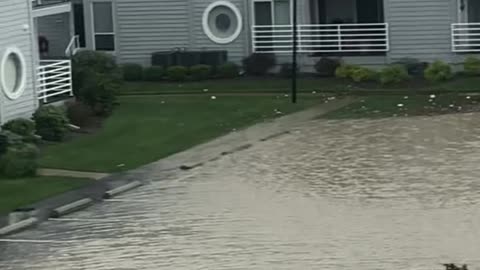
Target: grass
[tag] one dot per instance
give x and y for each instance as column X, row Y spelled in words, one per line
column 306, row 84
column 144, row 129
column 399, row 105
column 15, row 193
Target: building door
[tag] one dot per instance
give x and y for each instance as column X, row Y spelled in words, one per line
column 369, row 11
column 79, row 23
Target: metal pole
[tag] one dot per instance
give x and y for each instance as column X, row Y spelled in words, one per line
column 294, row 53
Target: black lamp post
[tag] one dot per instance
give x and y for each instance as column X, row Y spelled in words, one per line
column 294, row 53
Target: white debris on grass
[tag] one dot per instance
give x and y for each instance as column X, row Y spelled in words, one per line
column 400, row 105
column 162, row 102
column 213, row 97
column 286, row 95
column 432, row 96
column 451, row 105
column 121, row 165
column 405, row 97
column 468, row 97
column 205, row 90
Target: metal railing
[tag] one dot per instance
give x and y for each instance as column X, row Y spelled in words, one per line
column 54, row 78
column 466, row 37
column 73, row 46
column 312, row 38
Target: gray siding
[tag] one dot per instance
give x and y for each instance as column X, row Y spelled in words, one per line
column 14, row 16
column 420, row 28
column 56, row 28
column 237, row 49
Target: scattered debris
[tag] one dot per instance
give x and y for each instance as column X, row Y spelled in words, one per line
column 405, row 97
column 451, row 105
column 432, row 96
column 205, row 90
column 468, row 97
column 213, row 97
column 400, row 105
column 121, row 165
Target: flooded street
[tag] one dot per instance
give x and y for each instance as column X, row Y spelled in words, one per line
column 359, row 194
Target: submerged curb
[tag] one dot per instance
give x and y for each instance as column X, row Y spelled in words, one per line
column 121, row 189
column 71, row 207
column 19, row 226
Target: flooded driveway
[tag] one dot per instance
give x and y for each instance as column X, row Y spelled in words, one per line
column 366, row 194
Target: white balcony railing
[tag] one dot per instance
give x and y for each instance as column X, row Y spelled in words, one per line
column 73, row 46
column 312, row 38
column 54, row 78
column 466, row 37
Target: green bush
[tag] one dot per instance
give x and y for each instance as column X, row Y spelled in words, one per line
column 84, row 63
column 153, row 73
column 363, row 74
column 438, row 71
column 286, row 70
column 259, row 64
column 471, row 66
column 51, row 123
column 19, row 161
column 344, row 71
column 326, row 67
column 200, row 72
column 79, row 113
column 177, row 73
column 393, row 74
column 20, row 126
column 132, row 72
column 3, row 143
column 99, row 92
column 413, row 66
column 228, row 70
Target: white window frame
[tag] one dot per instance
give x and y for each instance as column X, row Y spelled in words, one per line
column 206, row 27
column 272, row 10
column 94, row 34
column 13, row 94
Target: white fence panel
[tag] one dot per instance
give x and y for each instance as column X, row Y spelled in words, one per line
column 466, row 37
column 54, row 78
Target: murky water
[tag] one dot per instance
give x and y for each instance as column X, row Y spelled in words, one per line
column 380, row 194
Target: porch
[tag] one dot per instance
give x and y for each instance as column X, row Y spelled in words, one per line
column 465, row 34
column 333, row 27
column 56, row 43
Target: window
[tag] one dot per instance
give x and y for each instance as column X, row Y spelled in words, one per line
column 222, row 22
column 12, row 73
column 103, row 29
column 272, row 12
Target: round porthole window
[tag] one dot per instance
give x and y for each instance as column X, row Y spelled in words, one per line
column 222, row 22
column 12, row 73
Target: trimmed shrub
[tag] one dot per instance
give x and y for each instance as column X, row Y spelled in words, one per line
column 259, row 64
column 20, row 126
column 414, row 66
column 79, row 113
column 471, row 66
column 153, row 73
column 132, row 72
column 99, row 92
column 51, row 123
column 363, row 74
column 19, row 161
column 438, row 71
column 177, row 73
column 228, row 70
column 393, row 74
column 200, row 72
column 3, row 143
column 345, row 71
column 84, row 63
column 326, row 67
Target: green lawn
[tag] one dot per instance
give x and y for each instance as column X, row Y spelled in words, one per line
column 144, row 129
column 406, row 105
column 16, row 193
column 307, row 84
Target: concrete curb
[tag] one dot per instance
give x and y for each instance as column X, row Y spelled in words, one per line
column 121, row 189
column 71, row 207
column 19, row 226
